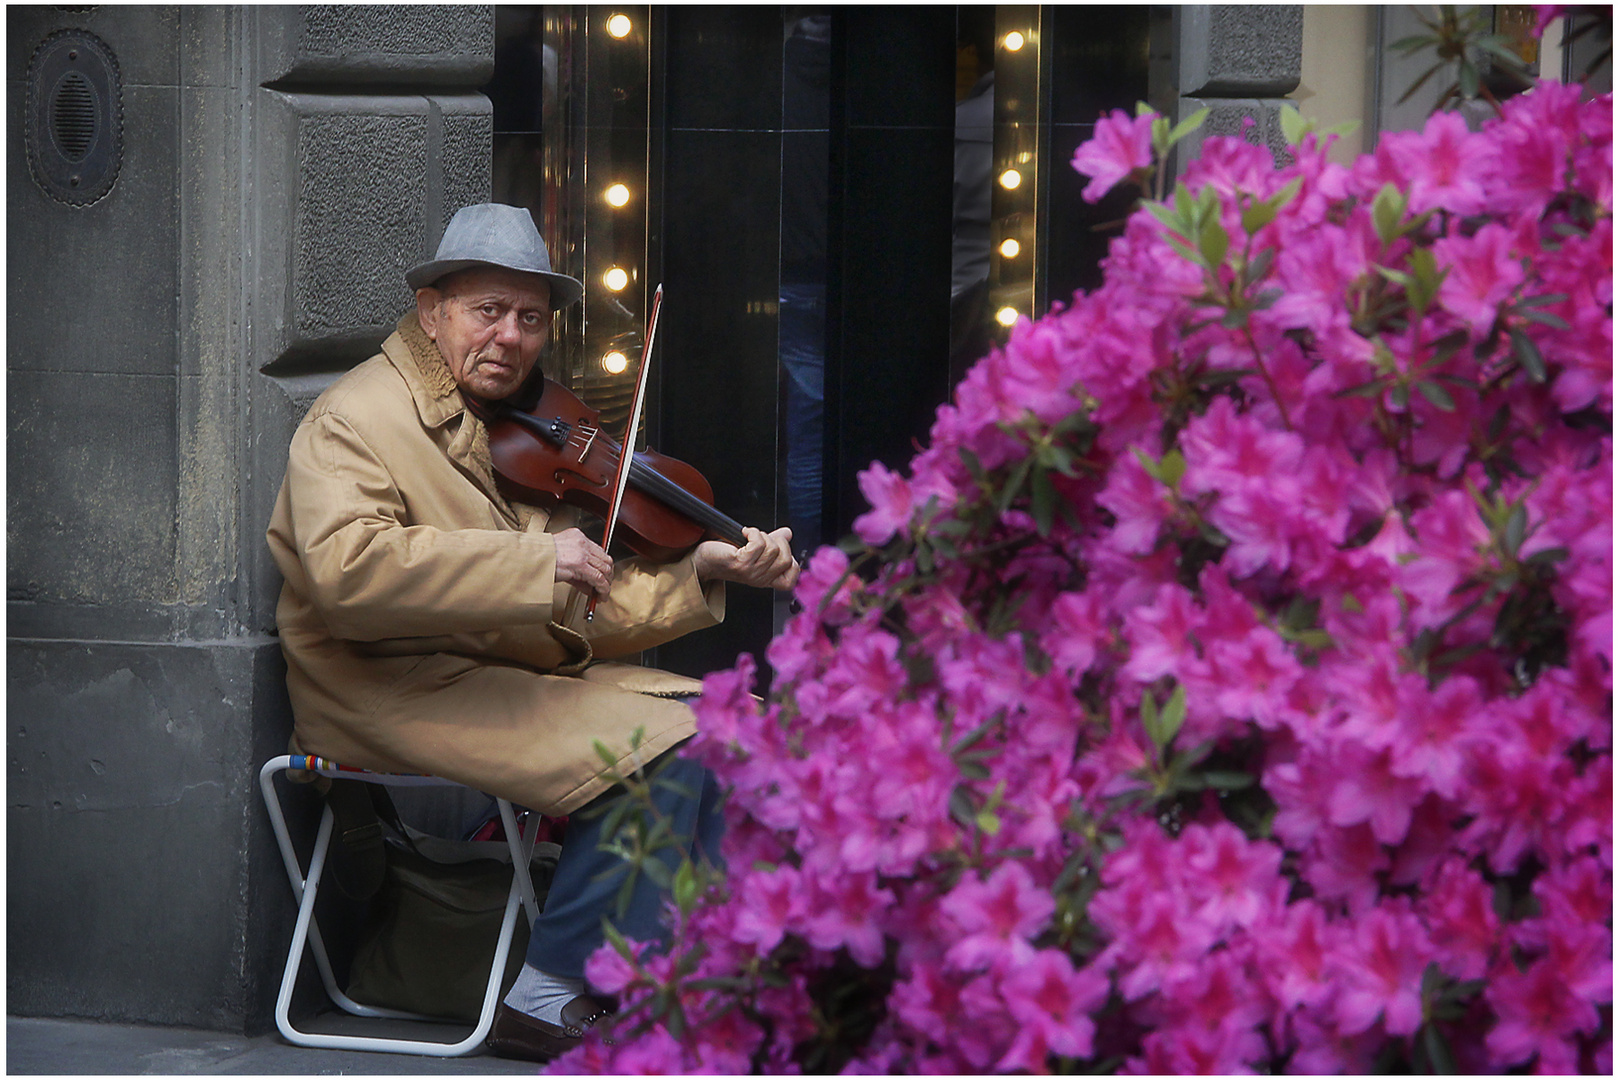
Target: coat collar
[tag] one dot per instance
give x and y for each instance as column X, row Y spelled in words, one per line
column 418, row 359
column 439, row 404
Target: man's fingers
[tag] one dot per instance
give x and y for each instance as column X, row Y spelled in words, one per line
column 582, row 562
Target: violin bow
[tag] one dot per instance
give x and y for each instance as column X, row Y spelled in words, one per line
column 627, row 449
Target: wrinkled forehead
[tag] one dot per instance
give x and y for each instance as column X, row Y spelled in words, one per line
column 511, row 286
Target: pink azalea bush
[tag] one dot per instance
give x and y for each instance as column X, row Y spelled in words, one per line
column 1227, row 685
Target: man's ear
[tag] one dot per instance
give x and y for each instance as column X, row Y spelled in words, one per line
column 427, row 311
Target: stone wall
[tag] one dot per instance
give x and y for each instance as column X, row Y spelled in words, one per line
column 1237, row 60
column 279, row 168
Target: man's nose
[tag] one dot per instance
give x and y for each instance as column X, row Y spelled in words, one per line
column 507, row 330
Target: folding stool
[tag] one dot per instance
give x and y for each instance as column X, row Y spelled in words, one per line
column 305, row 929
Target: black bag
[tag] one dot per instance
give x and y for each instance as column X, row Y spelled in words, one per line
column 430, row 933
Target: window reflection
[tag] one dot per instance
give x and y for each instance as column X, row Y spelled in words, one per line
column 971, row 237
column 802, row 292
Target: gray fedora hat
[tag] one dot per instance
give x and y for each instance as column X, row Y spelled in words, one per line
column 490, row 234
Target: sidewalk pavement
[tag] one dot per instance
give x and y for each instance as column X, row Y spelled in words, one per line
column 90, row 1048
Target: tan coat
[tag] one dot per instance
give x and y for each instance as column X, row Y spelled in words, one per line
column 422, row 623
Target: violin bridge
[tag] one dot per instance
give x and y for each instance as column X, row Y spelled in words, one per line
column 589, row 443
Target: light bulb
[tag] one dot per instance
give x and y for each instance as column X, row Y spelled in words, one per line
column 1007, row 316
column 615, row 362
column 1009, row 248
column 615, row 278
column 1013, row 41
column 617, row 195
column 618, row 25
column 1011, row 179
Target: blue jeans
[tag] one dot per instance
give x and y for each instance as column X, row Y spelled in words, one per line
column 569, row 928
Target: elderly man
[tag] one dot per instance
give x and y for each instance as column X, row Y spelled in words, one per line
column 432, row 625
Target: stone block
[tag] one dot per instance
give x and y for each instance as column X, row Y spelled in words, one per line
column 100, row 284
column 1239, row 50
column 139, row 881
column 91, row 483
column 1226, row 117
column 366, row 186
column 366, row 44
column 143, row 37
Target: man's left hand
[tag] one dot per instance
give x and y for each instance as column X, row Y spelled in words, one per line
column 766, row 560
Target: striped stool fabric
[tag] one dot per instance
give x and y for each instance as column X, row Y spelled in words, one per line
column 305, row 931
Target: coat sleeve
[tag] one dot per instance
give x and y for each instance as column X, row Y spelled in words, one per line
column 373, row 575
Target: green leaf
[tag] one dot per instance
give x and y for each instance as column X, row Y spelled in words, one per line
column 1257, row 215
column 1440, row 1056
column 988, row 822
column 1143, row 109
column 1184, row 203
column 974, row 465
column 1286, row 194
column 1213, row 241
column 627, row 892
column 686, row 886
column 961, row 807
column 1400, row 395
column 1437, row 396
column 616, row 939
column 1174, row 713
column 1548, row 556
column 1427, row 75
column 1161, row 136
column 1415, row 42
column 1513, row 533
column 1546, row 318
column 1172, row 219
column 1366, row 389
column 658, row 872
column 1529, row 356
column 1227, row 780
column 1187, row 127
column 1184, row 249
column 1173, row 468
column 1426, row 278
column 1014, row 485
column 1294, row 127
column 1042, row 500
column 1399, row 277
column 1150, row 720
column 1468, row 80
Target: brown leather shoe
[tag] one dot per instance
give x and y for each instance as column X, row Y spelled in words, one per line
column 527, row 1038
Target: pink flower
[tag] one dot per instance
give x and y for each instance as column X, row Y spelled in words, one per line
column 1075, row 631
column 1443, row 166
column 1463, row 923
column 1293, row 954
column 1540, row 1014
column 847, row 911
column 1484, row 271
column 1050, row 1001
column 1233, row 874
column 1370, row 790
column 769, row 902
column 890, row 496
column 996, row 917
column 1381, row 964
column 1119, row 145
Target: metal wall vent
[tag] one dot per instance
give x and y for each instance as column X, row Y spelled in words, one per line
column 75, row 124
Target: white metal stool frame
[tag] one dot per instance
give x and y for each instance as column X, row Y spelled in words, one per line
column 306, row 930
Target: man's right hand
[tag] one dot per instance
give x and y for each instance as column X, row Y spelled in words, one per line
column 582, row 562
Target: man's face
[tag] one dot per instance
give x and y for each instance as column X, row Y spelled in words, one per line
column 490, row 325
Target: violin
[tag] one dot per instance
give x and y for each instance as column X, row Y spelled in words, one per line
column 557, row 452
